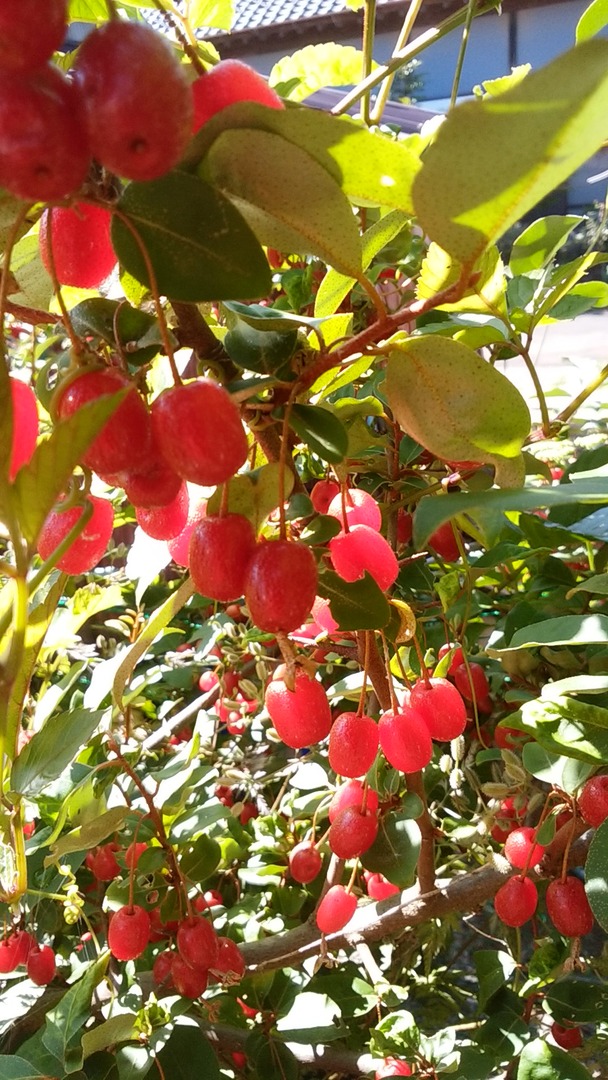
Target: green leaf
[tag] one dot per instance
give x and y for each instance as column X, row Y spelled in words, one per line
column 355, row 605
column 52, row 749
column 583, row 297
column 578, row 999
column 540, row 1061
column 17, row 1068
column 216, row 13
column 454, row 403
column 439, row 271
column 271, row 1058
column 104, row 318
column 259, row 349
column 89, row 835
column 565, row 630
column 394, row 853
column 255, row 494
column 553, row 769
column 289, row 200
column 199, row 246
column 312, row 1018
column 594, row 19
column 494, row 158
column 71, row 1014
column 321, row 431
column 188, row 1056
column 596, row 875
column 536, row 245
column 121, row 1028
column 565, row 727
column 200, row 858
column 317, row 66
column 336, row 286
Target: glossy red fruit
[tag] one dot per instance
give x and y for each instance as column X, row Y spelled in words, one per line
column 8, row 960
column 322, row 494
column 352, row 832
column 507, row 738
column 335, row 910
column 352, row 793
column 82, row 251
column 134, row 853
column 28, row 36
column 568, row 907
column 40, row 965
column 229, row 958
column 393, row 1067
column 188, row 981
column 301, row 716
column 456, row 659
column 22, row 944
column 378, row 887
column 593, row 801
column 44, row 149
column 179, row 548
column 516, row 901
column 209, row 899
column 199, row 431
column 129, row 932
column 220, row 550
column 305, row 862
column 280, row 585
column 472, row 683
column 102, row 863
column 405, row 739
column 125, row 439
column 521, row 848
column 360, row 550
column 441, row 706
column 162, row 969
column 360, row 507
column 90, row 546
column 197, row 942
column 569, row 1038
column 322, row 616
column 228, row 82
column 353, row 744
column 405, row 526
column 137, row 99
column 165, row 522
column 157, row 485
column 249, row 810
column 443, row 541
column 25, row 426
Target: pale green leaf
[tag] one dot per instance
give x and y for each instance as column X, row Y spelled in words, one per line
column 118, row 1029
column 594, row 19
column 439, row 271
column 317, row 66
column 336, row 286
column 540, row 1061
column 52, row 749
column 217, row 13
column 89, row 835
column 254, row 494
column 537, row 244
column 492, row 87
column 596, row 875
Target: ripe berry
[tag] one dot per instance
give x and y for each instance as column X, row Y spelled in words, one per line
column 22, row 944
column 179, row 548
column 507, row 738
column 129, row 932
column 29, row 36
column 568, row 907
column 220, row 550
column 378, row 888
column 188, row 981
column 360, row 507
column 516, row 900
column 41, row 965
column 352, row 793
column 102, row 862
column 305, row 862
column 569, row 1038
column 405, row 739
column 280, row 585
column 137, row 99
column 157, row 485
column 197, row 942
column 199, row 432
column 300, row 716
column 353, row 744
column 209, row 899
column 521, row 849
column 82, row 251
column 8, row 960
column 44, row 151
column 335, row 910
column 125, row 439
column 443, row 541
column 441, row 706
column 165, row 522
column 134, row 853
column 405, row 526
column 593, row 801
column 228, row 82
column 322, row 494
column 473, row 685
column 352, row 832
column 89, row 547
column 249, row 810
column 25, row 426
column 229, row 958
column 360, row 550
column 393, row 1067
column 162, row 969
column 322, row 616
column 457, row 656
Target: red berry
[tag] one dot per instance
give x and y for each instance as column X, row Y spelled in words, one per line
column 220, row 550
column 472, row 683
column 158, row 485
column 89, row 547
column 199, row 431
column 322, row 494
column 280, row 585
column 82, row 251
column 188, row 981
column 568, row 907
column 593, row 801
column 393, row 1067
column 569, row 1038
column 165, row 522
column 405, row 527
column 378, row 888
column 249, row 810
column 129, row 932
column 25, row 426
column 352, row 793
column 228, row 82
column 162, row 969
column 441, row 706
column 125, row 439
column 405, row 739
column 229, row 958
column 516, row 900
column 521, row 849
column 335, row 910
column 197, row 942
column 364, row 550
column 443, row 541
column 507, row 738
column 137, row 99
column 360, row 507
column 102, row 863
column 210, row 898
column 353, row 744
column 321, row 613
column 28, row 35
column 457, row 657
column 239, row 1059
column 22, row 944
column 352, row 832
column 8, row 961
column 179, row 547
column 41, row 965
column 44, row 150
column 134, row 853
column 300, row 716
column 305, row 862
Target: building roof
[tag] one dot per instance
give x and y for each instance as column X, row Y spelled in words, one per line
column 252, row 15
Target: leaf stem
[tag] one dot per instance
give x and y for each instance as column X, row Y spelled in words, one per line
column 464, row 41
column 402, row 40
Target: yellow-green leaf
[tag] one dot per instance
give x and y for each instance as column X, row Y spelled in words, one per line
column 316, row 66
column 594, row 19
column 439, row 271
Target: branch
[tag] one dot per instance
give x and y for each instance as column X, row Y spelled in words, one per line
column 328, row 1058
column 194, row 333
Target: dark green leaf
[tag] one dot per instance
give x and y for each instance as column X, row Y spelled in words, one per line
column 596, row 875
column 355, row 605
column 52, row 749
column 103, row 318
column 494, row 968
column 271, row 1058
column 188, row 1056
column 540, row 1061
column 200, row 859
column 321, row 431
column 266, row 351
column 199, row 246
column 320, row 530
column 66, row 1020
column 17, row 1068
column 578, row 999
column 395, row 850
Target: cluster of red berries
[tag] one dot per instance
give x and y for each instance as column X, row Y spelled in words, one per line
column 20, row 949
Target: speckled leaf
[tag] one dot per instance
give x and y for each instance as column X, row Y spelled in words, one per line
column 596, row 875
column 439, row 271
column 335, row 286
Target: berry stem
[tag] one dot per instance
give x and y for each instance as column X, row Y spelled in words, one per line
column 283, row 466
column 389, row 674
column 344, row 497
column 365, row 635
column 174, row 17
column 424, row 671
